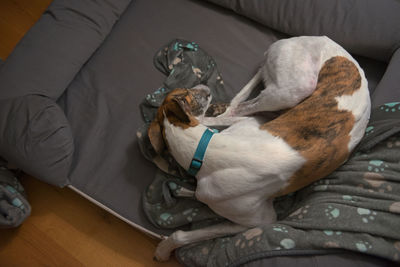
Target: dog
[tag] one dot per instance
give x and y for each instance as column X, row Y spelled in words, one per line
column 245, row 166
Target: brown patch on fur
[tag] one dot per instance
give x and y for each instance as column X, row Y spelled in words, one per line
column 177, row 106
column 316, row 127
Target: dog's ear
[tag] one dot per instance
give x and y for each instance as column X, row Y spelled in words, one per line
column 156, row 136
column 177, row 110
column 181, row 109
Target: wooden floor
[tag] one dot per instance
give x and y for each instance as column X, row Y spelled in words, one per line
column 64, row 229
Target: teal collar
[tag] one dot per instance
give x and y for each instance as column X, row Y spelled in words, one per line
column 198, row 157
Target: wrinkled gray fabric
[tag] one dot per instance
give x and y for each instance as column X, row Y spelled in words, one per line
column 330, row 260
column 35, row 136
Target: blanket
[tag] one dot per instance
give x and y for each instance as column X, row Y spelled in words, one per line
column 14, row 207
column 186, row 65
column 355, row 208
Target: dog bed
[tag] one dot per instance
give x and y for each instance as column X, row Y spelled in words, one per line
column 71, row 90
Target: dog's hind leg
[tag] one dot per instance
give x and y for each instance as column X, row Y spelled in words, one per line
column 181, row 238
column 221, row 121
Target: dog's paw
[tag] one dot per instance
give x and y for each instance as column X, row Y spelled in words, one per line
column 216, row 109
column 229, row 112
column 163, row 251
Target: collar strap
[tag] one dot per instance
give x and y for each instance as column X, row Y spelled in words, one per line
column 198, row 157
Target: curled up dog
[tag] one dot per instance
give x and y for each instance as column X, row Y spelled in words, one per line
column 241, row 170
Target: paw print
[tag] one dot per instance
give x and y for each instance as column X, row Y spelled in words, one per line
column 279, row 228
column 366, row 214
column 390, row 107
column 190, row 213
column 250, row 236
column 321, row 185
column 174, row 62
column 197, row 71
column 395, row 208
column 331, row 233
column 374, row 179
column 393, row 142
column 363, row 246
column 299, row 214
column 165, row 219
column 287, row 243
column 332, row 213
column 348, row 198
column 190, row 46
column 219, row 79
column 377, row 182
column 16, row 202
column 369, row 130
column 377, row 166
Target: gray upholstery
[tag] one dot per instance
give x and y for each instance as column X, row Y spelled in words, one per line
column 34, row 133
column 368, row 28
column 388, row 89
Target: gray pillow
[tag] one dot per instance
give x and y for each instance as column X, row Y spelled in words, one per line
column 364, row 27
column 36, row 137
column 34, row 132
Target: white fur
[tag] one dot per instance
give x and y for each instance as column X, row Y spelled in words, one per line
column 359, row 105
column 289, row 73
column 242, row 168
column 244, row 165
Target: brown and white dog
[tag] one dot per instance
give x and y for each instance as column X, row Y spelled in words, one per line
column 249, row 163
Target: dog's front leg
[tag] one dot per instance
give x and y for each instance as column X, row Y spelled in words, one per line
column 181, row 238
column 221, row 121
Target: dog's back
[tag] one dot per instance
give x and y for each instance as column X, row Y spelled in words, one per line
column 327, row 125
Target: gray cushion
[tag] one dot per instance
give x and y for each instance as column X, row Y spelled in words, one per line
column 365, row 27
column 388, row 88
column 34, row 133
column 36, row 137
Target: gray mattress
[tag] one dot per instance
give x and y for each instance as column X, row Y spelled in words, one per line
column 70, row 92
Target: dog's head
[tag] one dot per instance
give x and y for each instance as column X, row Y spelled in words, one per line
column 183, row 108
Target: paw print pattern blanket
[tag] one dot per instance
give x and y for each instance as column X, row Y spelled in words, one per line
column 355, row 208
column 186, row 65
column 14, row 208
